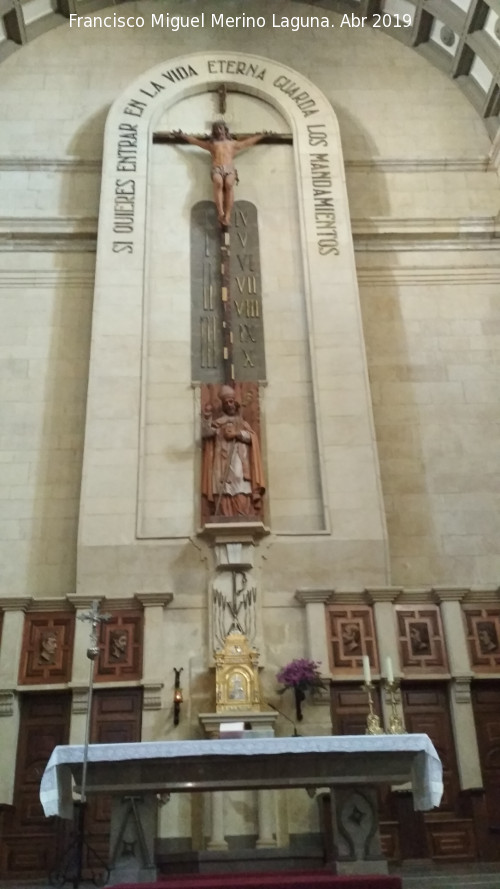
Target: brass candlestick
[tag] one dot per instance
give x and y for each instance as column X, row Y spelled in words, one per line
column 373, row 726
column 396, row 726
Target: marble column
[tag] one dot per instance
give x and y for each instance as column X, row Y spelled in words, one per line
column 266, row 815
column 314, row 602
column 462, row 714
column 154, row 605
column 10, row 653
column 217, row 839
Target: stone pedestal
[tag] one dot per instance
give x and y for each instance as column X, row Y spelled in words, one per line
column 258, row 721
column 134, row 821
column 261, row 723
column 356, row 836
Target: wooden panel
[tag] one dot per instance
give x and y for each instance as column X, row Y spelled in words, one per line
column 426, row 710
column 389, row 839
column 447, row 836
column 47, row 648
column 30, row 839
column 120, row 647
column 116, row 719
column 349, row 709
column 483, row 638
column 486, row 704
column 451, row 840
column 352, row 635
column 421, row 642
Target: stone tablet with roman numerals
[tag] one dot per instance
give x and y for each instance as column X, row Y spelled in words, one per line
column 242, row 285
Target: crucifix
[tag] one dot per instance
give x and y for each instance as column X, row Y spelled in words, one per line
column 222, row 147
column 232, row 474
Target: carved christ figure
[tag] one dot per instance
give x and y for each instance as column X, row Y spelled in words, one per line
column 232, row 474
column 222, row 148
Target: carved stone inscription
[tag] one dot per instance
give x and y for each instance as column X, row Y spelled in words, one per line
column 206, row 305
column 244, row 292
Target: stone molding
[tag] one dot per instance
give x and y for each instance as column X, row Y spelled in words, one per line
column 120, row 603
column 461, row 689
column 50, row 164
column 152, row 695
column 369, row 164
column 15, row 603
column 448, row 594
column 148, row 600
column 79, row 701
column 388, row 274
column 415, row 596
column 79, row 601
column 218, row 533
column 308, row 596
column 48, row 605
column 483, row 594
column 383, row 594
column 370, row 234
column 419, row 164
column 7, row 697
column 348, row 597
column 49, row 278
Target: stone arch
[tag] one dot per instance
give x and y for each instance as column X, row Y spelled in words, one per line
column 330, row 284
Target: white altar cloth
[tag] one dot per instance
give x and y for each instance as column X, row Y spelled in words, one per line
column 425, row 772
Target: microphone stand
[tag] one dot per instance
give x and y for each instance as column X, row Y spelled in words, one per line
column 277, row 710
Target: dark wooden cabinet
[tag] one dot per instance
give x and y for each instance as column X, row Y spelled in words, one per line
column 449, row 832
column 30, row 843
column 486, row 704
column 116, row 719
column 30, row 840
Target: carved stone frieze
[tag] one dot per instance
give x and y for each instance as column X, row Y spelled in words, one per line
column 80, row 701
column 461, row 689
column 152, row 696
column 7, row 696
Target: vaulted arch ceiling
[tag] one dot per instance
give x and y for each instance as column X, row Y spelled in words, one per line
column 460, row 37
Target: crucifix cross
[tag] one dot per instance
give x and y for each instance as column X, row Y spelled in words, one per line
column 223, row 147
column 94, row 617
column 222, row 93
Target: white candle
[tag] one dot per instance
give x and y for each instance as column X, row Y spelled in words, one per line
column 366, row 669
column 388, row 670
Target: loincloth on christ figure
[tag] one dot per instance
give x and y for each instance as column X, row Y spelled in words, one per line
column 225, row 170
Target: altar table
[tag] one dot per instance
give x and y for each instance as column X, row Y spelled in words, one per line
column 350, row 765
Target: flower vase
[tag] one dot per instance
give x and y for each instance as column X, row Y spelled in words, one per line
column 299, row 697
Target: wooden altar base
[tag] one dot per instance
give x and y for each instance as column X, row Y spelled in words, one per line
column 276, row 880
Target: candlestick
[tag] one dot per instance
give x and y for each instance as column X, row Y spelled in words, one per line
column 373, row 726
column 396, row 726
column 366, row 670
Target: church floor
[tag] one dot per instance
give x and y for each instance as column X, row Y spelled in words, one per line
column 458, row 876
